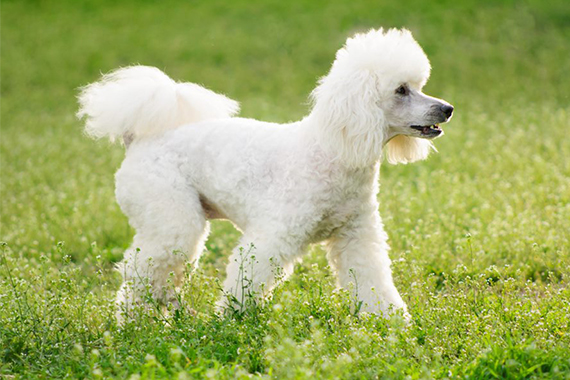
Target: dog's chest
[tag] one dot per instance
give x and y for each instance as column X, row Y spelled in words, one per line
column 345, row 201
column 332, row 221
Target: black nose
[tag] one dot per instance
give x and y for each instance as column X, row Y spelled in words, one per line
column 447, row 110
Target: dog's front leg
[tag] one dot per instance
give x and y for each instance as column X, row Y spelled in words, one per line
column 358, row 253
column 256, row 265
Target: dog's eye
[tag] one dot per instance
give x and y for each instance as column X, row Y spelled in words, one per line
column 402, row 90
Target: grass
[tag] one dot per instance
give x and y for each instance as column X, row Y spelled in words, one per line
column 479, row 232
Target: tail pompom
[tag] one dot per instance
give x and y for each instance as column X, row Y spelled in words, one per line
column 140, row 101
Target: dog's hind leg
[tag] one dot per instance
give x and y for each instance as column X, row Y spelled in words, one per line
column 171, row 229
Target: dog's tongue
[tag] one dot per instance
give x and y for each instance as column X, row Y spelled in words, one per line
column 426, row 129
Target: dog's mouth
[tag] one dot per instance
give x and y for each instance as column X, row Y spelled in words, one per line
column 428, row 131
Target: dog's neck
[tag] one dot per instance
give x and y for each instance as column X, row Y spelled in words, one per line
column 347, row 151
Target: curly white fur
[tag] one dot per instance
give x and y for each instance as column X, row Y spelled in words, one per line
column 284, row 186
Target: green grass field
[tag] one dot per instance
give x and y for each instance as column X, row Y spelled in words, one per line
column 480, row 233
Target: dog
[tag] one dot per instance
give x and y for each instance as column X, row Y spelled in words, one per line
column 189, row 159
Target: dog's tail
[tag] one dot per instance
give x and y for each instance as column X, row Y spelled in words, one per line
column 139, row 102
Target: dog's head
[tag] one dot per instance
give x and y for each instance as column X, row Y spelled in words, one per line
column 373, row 97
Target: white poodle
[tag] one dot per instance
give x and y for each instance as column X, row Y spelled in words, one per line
column 189, row 160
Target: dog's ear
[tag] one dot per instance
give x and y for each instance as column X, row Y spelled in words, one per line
column 405, row 149
column 348, row 118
